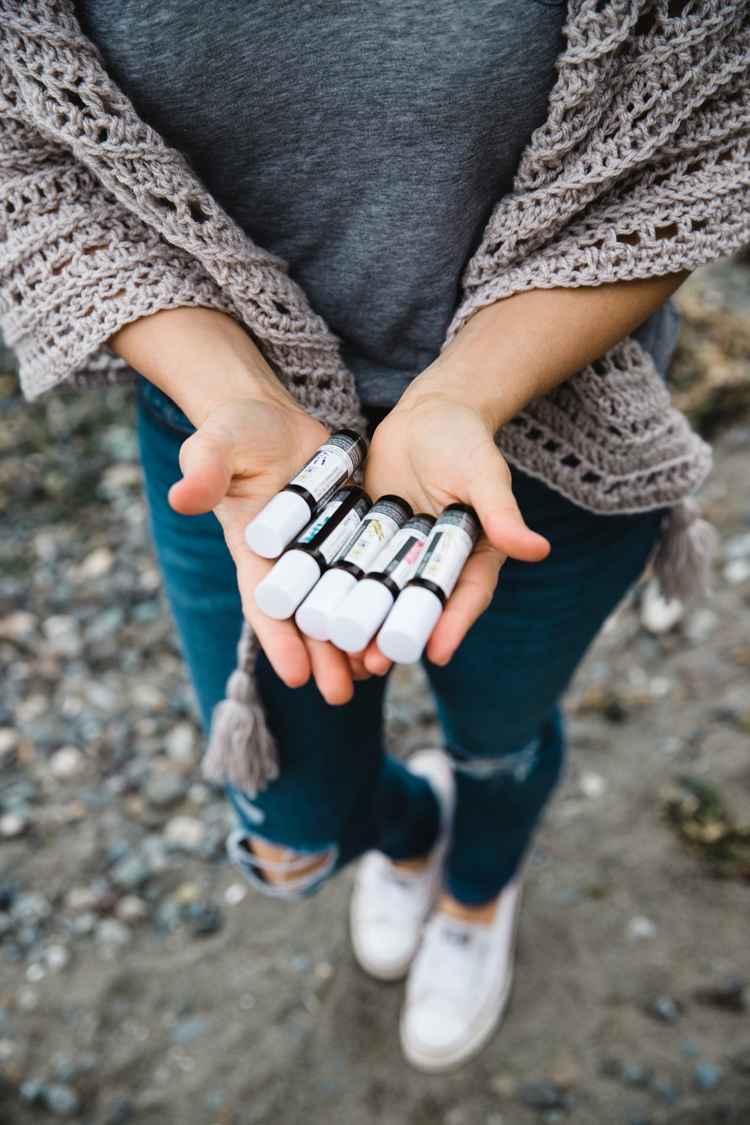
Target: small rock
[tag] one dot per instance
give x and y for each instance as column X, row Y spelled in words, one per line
column 31, row 1090
column 57, row 957
column 13, row 824
column 729, row 994
column 185, row 1031
column 66, row 762
column 737, row 548
column 234, row 894
column 592, row 785
column 185, row 832
column 665, row 1009
column 541, row 1095
column 164, row 788
column 18, row 626
column 700, row 625
column 737, row 572
column 666, row 1091
column 565, row 1072
column 640, row 928
column 187, row 893
column 95, row 565
column 8, row 741
column 81, row 898
column 635, row 1074
column 167, row 917
column 63, row 634
column 131, row 873
column 119, row 1111
column 207, row 922
column 112, row 932
column 657, row 615
column 707, row 1075
column 689, row 1051
column 60, row 1099
column 30, row 907
column 180, row 742
column 131, row 908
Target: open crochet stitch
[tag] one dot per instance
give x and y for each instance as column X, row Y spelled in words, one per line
column 641, row 169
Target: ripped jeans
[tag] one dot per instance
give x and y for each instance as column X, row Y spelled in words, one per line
column 339, row 793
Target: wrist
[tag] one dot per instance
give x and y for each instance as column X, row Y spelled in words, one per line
column 201, row 358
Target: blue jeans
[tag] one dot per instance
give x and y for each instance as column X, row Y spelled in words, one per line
column 338, row 791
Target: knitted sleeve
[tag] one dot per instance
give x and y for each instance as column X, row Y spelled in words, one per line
column 76, row 265
column 643, row 166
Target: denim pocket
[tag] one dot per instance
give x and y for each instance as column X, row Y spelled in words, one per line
column 161, row 407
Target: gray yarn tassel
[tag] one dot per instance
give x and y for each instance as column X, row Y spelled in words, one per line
column 683, row 559
column 241, row 751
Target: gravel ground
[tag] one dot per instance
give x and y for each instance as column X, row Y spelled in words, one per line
column 141, row 981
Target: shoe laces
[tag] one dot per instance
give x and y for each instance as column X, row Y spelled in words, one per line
column 400, row 894
column 451, row 961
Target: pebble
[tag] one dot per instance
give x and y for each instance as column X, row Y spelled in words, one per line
column 187, row 893
column 737, row 572
column 592, row 785
column 666, row 1091
column 112, row 932
column 187, row 1030
column 131, row 908
column 8, row 741
column 640, row 928
column 131, row 873
column 66, row 763
column 185, row 832
column 707, row 1075
column 60, row 1099
column 665, row 1009
column 635, row 1074
column 57, row 957
column 179, row 742
column 234, row 894
column 13, row 824
column 81, row 898
column 164, row 788
column 541, row 1095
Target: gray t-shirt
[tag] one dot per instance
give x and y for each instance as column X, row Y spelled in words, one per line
column 363, row 141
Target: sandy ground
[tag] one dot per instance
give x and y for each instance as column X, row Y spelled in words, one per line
column 140, row 981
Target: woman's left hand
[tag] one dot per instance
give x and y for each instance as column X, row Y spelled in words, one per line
column 434, row 449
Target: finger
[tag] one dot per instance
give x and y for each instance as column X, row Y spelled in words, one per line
column 331, row 670
column 375, row 661
column 491, row 494
column 471, row 597
column 202, row 488
column 280, row 640
column 357, row 667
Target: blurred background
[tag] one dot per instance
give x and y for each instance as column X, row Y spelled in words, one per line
column 141, row 981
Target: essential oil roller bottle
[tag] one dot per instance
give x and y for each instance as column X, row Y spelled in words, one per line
column 363, row 611
column 300, row 567
column 409, row 625
column 276, row 525
column 381, row 523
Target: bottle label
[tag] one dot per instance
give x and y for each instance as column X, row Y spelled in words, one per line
column 332, row 547
column 319, row 522
column 448, row 548
column 399, row 559
column 377, row 529
column 330, row 467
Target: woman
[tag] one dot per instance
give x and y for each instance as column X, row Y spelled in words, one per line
column 525, row 183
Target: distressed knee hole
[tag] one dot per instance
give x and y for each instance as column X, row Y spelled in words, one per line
column 277, row 870
column 515, row 766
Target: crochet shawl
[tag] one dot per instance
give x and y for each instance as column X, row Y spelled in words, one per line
column 640, row 169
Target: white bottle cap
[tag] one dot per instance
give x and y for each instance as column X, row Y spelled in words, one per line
column 277, row 524
column 313, row 615
column 359, row 617
column 284, row 587
column 409, row 625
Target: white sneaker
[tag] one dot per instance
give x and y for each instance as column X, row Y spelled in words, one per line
column 390, row 906
column 458, row 986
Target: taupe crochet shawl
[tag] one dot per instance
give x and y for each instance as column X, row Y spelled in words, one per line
column 640, row 169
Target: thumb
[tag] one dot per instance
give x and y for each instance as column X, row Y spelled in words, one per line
column 492, row 496
column 206, row 476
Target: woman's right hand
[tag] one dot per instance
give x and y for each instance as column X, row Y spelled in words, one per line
column 251, row 438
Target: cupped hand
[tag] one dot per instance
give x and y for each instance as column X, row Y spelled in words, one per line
column 436, row 450
column 235, row 462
